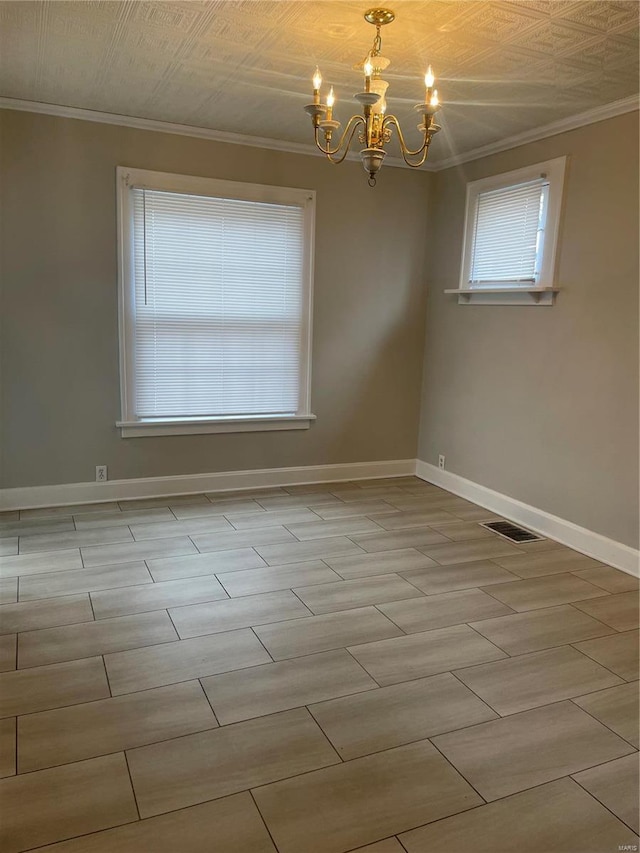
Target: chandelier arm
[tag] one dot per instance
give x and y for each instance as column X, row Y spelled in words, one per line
column 350, row 129
column 424, row 148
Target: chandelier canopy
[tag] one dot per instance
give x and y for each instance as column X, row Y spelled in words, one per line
column 375, row 126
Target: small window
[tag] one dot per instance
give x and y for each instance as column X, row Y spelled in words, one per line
column 215, row 304
column 511, row 232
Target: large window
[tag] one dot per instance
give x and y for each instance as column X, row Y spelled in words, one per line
column 215, row 304
column 511, row 231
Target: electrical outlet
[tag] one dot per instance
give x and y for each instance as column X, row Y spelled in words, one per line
column 101, row 473
column 440, row 462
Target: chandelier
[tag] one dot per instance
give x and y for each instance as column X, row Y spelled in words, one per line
column 375, row 126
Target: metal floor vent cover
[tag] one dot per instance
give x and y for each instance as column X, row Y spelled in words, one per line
column 511, row 531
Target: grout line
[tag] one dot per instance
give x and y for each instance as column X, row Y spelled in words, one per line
column 261, row 816
column 452, row 765
column 386, row 616
column 206, row 696
column 598, row 720
column 263, row 646
column 133, row 790
column 604, row 805
column 106, row 675
column 480, row 699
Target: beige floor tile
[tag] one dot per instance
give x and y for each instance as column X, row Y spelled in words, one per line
column 8, row 652
column 36, row 526
column 540, row 678
column 473, row 513
column 336, row 527
column 128, row 552
column 619, row 653
column 9, row 547
column 617, row 786
column 389, row 845
column 7, row 747
column 296, row 552
column 84, row 731
column 54, row 584
column 169, row 663
column 8, row 590
column 468, row 552
column 155, row 596
column 440, row 611
column 7, row 515
column 344, row 510
column 230, row 825
column 172, row 568
column 361, row 801
column 322, row 633
column 34, row 564
column 544, row 592
column 465, row 576
column 517, row 752
column 540, row 545
column 617, row 708
column 86, row 639
column 540, row 629
column 218, row 507
column 70, row 509
column 247, row 494
column 75, row 539
column 400, row 481
column 164, row 501
column 390, row 716
column 345, row 595
column 214, row 617
column 463, row 531
column 234, row 539
column 419, row 655
column 199, row 767
column 382, row 563
column 41, row 688
column 279, row 577
column 408, row 520
column 89, row 796
column 375, row 542
column 295, row 501
column 612, row 580
column 546, row 563
column 620, row 611
column 192, row 526
column 423, row 502
column 117, row 518
column 280, row 686
column 558, row 817
column 320, row 488
column 356, row 493
column 273, row 518
column 30, row 615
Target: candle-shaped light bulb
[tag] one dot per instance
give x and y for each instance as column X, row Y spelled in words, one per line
column 368, row 71
column 429, row 79
column 330, row 102
column 317, row 80
column 434, row 98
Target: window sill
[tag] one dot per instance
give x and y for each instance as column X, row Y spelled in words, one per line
column 505, row 295
column 139, row 429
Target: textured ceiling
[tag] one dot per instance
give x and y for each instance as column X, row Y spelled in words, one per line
column 244, row 66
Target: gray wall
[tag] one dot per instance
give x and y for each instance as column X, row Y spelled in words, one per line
column 542, row 403
column 60, row 396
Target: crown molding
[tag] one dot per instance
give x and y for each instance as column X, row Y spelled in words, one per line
column 179, row 129
column 615, row 108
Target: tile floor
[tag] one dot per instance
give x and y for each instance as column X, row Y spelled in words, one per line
column 311, row 669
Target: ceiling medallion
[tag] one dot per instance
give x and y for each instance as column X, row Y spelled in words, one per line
column 375, row 125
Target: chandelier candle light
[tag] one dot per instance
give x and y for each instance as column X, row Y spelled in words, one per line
column 375, row 125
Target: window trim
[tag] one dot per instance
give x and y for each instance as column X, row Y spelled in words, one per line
column 542, row 290
column 126, row 179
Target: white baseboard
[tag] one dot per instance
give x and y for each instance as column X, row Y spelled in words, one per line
column 31, row 497
column 586, row 541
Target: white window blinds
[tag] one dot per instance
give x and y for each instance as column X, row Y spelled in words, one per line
column 219, row 306
column 508, row 234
